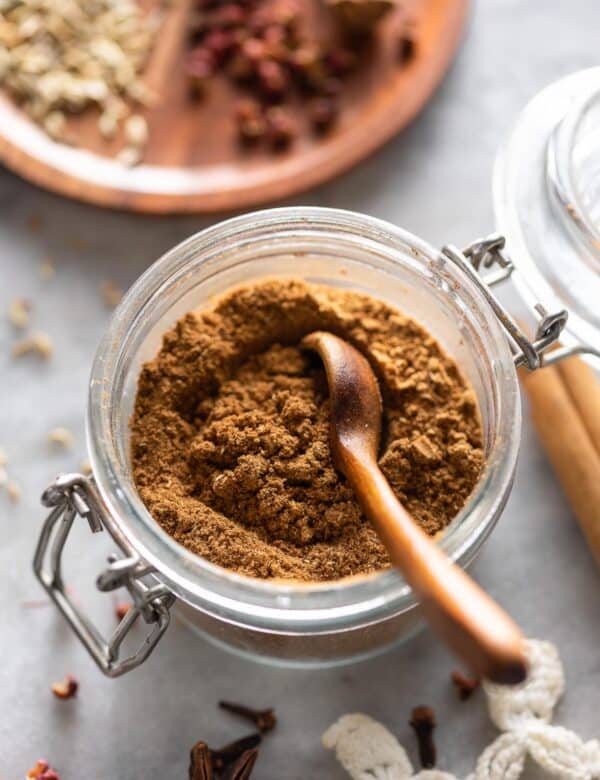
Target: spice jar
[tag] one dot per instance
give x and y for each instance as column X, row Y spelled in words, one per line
column 317, row 623
column 448, row 291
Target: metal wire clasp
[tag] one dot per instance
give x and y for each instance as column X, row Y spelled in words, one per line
column 74, row 495
column 489, row 253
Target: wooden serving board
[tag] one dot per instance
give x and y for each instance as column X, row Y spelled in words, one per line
column 194, row 163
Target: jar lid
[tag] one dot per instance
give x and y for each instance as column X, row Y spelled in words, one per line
column 547, row 203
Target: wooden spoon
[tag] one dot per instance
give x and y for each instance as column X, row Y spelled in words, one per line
column 461, row 613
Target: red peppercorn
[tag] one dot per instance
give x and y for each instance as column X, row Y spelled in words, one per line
column 276, row 45
column 330, row 86
column 323, row 113
column 272, row 79
column 247, row 109
column 250, row 121
column 281, row 128
column 252, row 130
column 122, row 608
column 199, row 68
column 240, row 69
column 254, row 49
column 341, row 61
column 219, row 43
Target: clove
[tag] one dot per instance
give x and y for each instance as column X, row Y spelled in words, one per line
column 423, row 722
column 242, row 769
column 201, row 767
column 230, row 753
column 264, row 720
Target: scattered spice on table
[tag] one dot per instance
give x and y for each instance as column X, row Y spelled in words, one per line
column 122, row 608
column 201, row 767
column 13, row 491
column 67, row 688
column 229, row 753
column 242, row 768
column 42, row 771
column 61, row 437
column 235, row 760
column 230, row 432
column 264, row 720
column 39, row 343
column 465, row 685
column 423, row 722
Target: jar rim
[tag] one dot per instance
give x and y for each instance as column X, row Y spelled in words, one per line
column 327, row 606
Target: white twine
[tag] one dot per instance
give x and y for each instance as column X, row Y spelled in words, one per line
column 368, row 751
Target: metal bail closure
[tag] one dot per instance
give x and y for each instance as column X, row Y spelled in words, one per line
column 489, row 253
column 72, row 496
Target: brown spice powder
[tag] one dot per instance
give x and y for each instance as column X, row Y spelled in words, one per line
column 230, row 431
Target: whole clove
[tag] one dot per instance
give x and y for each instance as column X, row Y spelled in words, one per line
column 242, row 769
column 264, row 720
column 230, row 753
column 423, row 722
column 201, row 766
column 464, row 685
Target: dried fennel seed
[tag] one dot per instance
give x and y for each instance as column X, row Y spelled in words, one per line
column 85, row 467
column 18, row 313
column 13, row 491
column 39, row 342
column 61, row 437
column 62, row 56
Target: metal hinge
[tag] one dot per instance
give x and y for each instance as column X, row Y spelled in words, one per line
column 74, row 495
column 488, row 253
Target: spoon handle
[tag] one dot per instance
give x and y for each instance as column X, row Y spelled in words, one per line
column 462, row 614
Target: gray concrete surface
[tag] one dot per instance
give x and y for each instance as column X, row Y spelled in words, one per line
column 434, row 180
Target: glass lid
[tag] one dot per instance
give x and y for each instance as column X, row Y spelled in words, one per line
column 547, row 203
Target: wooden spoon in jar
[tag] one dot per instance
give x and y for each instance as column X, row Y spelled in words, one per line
column 461, row 613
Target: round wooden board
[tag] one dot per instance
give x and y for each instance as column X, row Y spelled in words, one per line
column 193, row 162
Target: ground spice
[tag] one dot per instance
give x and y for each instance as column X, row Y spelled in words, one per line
column 230, row 430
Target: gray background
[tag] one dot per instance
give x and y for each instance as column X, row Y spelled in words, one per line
column 435, row 181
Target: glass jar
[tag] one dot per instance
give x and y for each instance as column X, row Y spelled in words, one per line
column 291, row 623
column 546, row 188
